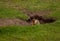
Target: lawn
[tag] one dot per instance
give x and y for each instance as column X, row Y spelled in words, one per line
column 41, row 32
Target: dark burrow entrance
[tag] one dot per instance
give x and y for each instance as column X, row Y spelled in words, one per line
column 40, row 20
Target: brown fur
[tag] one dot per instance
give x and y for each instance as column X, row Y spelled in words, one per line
column 34, row 21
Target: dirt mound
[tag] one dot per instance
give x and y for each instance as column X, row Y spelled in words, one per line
column 40, row 13
column 12, row 21
column 32, row 20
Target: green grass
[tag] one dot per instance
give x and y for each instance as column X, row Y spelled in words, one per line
column 42, row 32
column 11, row 13
column 47, row 32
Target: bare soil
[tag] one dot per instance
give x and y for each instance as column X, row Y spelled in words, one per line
column 39, row 13
column 12, row 21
